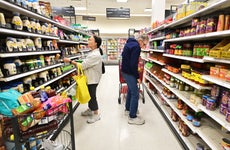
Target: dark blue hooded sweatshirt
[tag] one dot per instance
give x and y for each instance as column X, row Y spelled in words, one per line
column 130, row 57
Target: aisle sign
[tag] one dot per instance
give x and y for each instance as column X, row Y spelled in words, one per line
column 65, row 11
column 118, row 12
column 89, row 18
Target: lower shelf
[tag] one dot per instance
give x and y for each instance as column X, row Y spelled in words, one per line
column 189, row 142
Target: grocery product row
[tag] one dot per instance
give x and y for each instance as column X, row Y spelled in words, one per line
column 193, row 82
column 198, row 119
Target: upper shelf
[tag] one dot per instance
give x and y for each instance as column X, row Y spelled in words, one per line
column 216, row 80
column 157, row 29
column 220, row 5
column 10, row 6
column 184, row 58
column 6, row 55
column 22, row 33
column 156, row 50
column 68, row 41
column 207, row 36
column 157, row 39
column 193, row 84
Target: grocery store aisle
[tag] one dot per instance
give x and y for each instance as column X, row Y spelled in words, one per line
column 113, row 132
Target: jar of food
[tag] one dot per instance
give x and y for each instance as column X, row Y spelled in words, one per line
column 33, row 25
column 211, row 103
column 16, row 21
column 39, row 28
column 181, row 86
column 44, row 28
column 199, row 146
column 204, row 99
column 21, row 45
column 11, row 44
column 30, row 44
column 10, row 67
column 225, row 144
column 26, row 24
column 38, row 43
column 223, row 109
column 2, row 20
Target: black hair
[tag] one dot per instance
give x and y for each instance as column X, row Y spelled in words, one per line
column 97, row 40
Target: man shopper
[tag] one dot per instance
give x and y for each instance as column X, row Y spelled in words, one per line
column 129, row 69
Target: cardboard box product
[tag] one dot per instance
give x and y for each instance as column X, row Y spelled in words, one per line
column 221, row 46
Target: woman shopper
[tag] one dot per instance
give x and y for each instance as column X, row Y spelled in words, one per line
column 92, row 67
column 129, row 69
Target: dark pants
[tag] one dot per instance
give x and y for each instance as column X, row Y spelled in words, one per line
column 93, row 101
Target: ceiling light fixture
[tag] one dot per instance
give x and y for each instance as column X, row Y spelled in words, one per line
column 122, row 1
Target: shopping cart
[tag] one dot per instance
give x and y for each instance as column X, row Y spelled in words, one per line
column 123, row 88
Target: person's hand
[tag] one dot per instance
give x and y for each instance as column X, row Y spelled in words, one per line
column 66, row 60
column 139, row 81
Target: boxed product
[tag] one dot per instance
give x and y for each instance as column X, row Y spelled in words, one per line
column 181, row 11
column 216, row 51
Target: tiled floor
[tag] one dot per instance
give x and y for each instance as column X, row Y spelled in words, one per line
column 113, row 132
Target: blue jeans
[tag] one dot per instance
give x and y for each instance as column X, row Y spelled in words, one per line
column 132, row 96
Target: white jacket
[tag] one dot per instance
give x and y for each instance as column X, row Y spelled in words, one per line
column 92, row 66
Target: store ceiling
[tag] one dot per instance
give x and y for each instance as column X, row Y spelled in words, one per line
column 98, row 7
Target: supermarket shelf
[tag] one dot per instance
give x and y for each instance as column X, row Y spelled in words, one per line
column 215, row 60
column 29, row 73
column 9, row 6
column 157, row 29
column 83, row 42
column 144, row 50
column 208, row 130
column 143, row 58
column 156, row 85
column 71, row 86
column 156, row 61
column 216, row 80
column 25, row 34
column 183, row 95
column 84, row 50
column 217, row 116
column 74, row 57
column 5, row 55
column 209, row 9
column 59, row 90
column 184, row 58
column 157, row 39
column 193, row 84
column 55, row 79
column 173, row 105
column 156, row 50
column 191, row 140
column 207, row 36
column 211, row 134
column 68, row 41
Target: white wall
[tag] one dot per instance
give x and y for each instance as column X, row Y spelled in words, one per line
column 115, row 28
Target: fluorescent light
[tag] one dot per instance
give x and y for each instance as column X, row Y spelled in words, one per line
column 122, row 1
column 148, row 10
column 80, row 8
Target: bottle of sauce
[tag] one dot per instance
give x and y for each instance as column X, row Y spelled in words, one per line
column 16, row 21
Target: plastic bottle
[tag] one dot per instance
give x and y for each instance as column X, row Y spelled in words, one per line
column 43, row 94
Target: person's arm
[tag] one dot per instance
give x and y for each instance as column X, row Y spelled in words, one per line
column 134, row 61
column 67, row 60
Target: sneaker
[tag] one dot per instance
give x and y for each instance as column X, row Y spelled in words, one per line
column 87, row 112
column 94, row 118
column 137, row 121
column 127, row 112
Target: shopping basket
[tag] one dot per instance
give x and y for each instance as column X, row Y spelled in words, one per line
column 123, row 88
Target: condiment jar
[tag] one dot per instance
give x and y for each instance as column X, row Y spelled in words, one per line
column 33, row 25
column 11, row 44
column 17, row 22
column 11, row 67
column 26, row 24
column 39, row 28
column 2, row 20
column 38, row 43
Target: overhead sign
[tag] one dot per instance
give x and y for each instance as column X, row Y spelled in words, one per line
column 65, row 11
column 89, row 18
column 118, row 12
